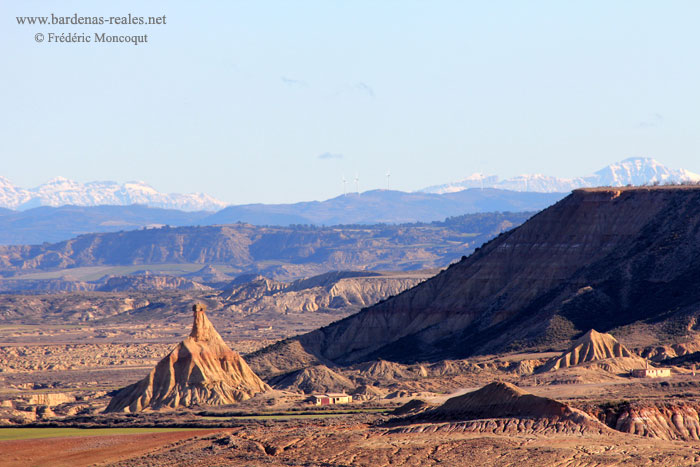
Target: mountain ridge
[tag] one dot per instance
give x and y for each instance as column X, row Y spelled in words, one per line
column 60, row 191
column 385, row 207
column 287, row 252
column 634, row 171
column 55, row 224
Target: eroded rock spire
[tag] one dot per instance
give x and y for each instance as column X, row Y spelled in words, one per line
column 202, row 329
column 201, row 370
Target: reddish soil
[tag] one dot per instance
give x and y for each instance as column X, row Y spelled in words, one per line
column 89, row 450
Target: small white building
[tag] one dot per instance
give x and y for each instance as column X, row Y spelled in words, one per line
column 651, row 373
column 331, row 398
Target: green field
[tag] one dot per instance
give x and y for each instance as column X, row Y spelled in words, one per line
column 7, row 434
column 277, row 417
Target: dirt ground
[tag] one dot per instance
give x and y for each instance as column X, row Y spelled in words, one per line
column 74, row 363
column 89, row 450
column 349, row 444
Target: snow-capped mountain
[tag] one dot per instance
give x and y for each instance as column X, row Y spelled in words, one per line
column 632, row 171
column 638, row 171
column 61, row 191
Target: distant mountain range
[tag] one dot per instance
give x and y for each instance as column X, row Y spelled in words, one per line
column 385, row 206
column 60, row 191
column 61, row 209
column 632, row 171
column 54, row 224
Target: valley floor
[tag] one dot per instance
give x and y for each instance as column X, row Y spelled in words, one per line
column 56, row 378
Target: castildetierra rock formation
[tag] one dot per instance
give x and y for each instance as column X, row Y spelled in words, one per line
column 201, row 370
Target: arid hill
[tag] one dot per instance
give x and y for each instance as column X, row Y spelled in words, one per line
column 497, row 400
column 590, row 347
column 499, row 408
column 600, row 258
column 156, row 299
column 337, row 290
column 201, row 370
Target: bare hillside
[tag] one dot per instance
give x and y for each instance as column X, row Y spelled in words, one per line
column 600, row 258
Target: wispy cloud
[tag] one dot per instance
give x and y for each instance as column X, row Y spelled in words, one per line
column 294, row 83
column 330, row 155
column 364, row 87
column 357, row 88
column 656, row 120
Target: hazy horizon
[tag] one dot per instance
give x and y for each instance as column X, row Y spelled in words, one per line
column 275, row 102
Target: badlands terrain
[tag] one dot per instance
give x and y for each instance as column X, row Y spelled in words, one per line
column 281, row 253
column 519, row 354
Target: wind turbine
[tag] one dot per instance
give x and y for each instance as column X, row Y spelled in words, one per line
column 345, row 192
column 387, row 180
column 357, row 183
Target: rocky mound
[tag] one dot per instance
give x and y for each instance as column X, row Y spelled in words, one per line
column 672, row 421
column 590, row 347
column 241, row 290
column 498, row 400
column 582, row 425
column 412, row 407
column 367, row 392
column 451, row 367
column 202, row 369
column 312, row 380
column 498, row 408
column 383, row 370
column 333, row 291
column 663, row 352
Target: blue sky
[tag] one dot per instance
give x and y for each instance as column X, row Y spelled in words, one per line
column 263, row 101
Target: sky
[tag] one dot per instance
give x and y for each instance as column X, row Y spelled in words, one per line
column 277, row 101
